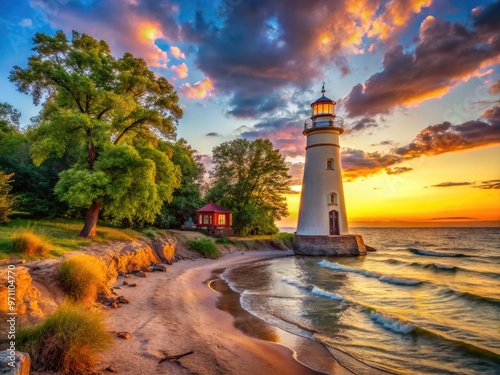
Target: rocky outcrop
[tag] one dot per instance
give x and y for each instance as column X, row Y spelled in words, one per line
column 37, row 290
column 164, row 249
column 14, row 363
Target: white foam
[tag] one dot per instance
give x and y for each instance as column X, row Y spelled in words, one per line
column 324, row 293
column 387, row 279
column 391, row 323
column 294, row 282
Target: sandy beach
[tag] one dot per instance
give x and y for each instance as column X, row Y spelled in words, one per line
column 176, row 311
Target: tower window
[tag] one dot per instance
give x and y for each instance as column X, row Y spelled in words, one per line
column 329, row 164
column 333, row 199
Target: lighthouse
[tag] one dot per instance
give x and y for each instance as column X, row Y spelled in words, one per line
column 322, row 227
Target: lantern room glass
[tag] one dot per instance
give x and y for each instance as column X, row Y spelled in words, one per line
column 322, row 108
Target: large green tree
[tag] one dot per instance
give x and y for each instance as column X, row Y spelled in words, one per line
column 7, row 200
column 250, row 178
column 33, row 186
column 109, row 112
column 187, row 198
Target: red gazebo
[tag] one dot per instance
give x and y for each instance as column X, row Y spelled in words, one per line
column 214, row 217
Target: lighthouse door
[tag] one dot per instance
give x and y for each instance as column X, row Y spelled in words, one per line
column 334, row 223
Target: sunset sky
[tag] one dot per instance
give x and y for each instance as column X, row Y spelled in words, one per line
column 416, row 81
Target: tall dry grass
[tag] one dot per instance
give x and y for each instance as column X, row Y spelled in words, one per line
column 82, row 277
column 30, row 241
column 67, row 342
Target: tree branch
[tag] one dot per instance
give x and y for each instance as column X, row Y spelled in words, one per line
column 103, row 112
column 131, row 126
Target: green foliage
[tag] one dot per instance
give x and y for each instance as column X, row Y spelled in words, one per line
column 287, row 238
column 224, row 241
column 250, row 178
column 282, row 241
column 82, row 277
column 30, row 241
column 7, row 200
column 33, row 186
column 67, row 342
column 79, row 188
column 206, row 247
column 62, row 235
column 109, row 114
column 187, row 197
column 9, row 119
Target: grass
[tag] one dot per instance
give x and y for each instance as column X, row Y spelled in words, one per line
column 30, row 241
column 62, row 234
column 152, row 232
column 206, row 247
column 224, row 241
column 82, row 277
column 67, row 342
column 286, row 238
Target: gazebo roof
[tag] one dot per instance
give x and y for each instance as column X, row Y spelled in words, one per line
column 212, row 207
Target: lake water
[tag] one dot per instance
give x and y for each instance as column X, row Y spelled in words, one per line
column 427, row 302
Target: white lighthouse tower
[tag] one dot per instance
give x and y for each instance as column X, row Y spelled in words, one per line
column 322, row 226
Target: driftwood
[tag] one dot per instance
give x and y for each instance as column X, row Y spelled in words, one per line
column 175, row 358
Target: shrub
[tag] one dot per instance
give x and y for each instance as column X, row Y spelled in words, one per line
column 7, row 200
column 82, row 277
column 206, row 247
column 224, row 241
column 286, row 238
column 67, row 342
column 30, row 241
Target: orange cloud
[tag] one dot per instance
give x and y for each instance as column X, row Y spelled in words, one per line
column 199, row 90
column 147, row 33
column 397, row 13
column 181, row 70
column 177, row 53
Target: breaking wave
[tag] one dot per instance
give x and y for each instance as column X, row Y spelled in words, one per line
column 383, row 278
column 392, row 323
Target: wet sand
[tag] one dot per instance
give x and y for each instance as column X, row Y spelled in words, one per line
column 188, row 308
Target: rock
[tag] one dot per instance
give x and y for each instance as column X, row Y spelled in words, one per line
column 114, row 305
column 159, row 267
column 121, row 273
column 140, row 274
column 125, row 283
column 132, row 285
column 122, row 299
column 369, row 248
column 124, row 335
column 110, row 368
column 27, row 295
column 150, row 269
column 17, row 364
column 116, row 287
column 127, row 276
column 164, row 249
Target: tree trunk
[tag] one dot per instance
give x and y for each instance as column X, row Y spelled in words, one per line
column 88, row 230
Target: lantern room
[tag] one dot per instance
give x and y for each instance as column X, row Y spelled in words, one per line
column 323, row 106
column 323, row 114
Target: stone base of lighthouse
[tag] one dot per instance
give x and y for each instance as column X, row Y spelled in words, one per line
column 343, row 245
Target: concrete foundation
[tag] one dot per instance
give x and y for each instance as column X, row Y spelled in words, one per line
column 343, row 245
